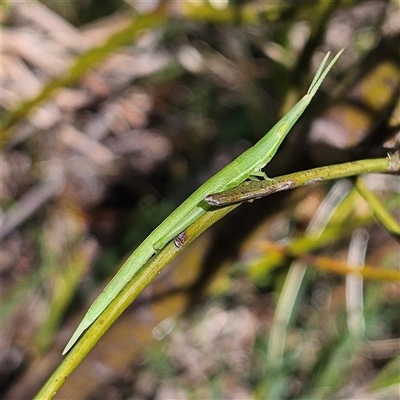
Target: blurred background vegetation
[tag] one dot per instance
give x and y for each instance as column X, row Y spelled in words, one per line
column 113, row 113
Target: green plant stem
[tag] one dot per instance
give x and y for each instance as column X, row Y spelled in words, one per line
column 379, row 210
column 257, row 189
column 130, row 292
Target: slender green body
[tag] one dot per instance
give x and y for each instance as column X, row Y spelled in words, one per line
column 243, row 167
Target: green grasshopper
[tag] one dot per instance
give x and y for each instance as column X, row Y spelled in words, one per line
column 247, row 166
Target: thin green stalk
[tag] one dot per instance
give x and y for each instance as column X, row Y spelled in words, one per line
column 253, row 190
column 379, row 209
